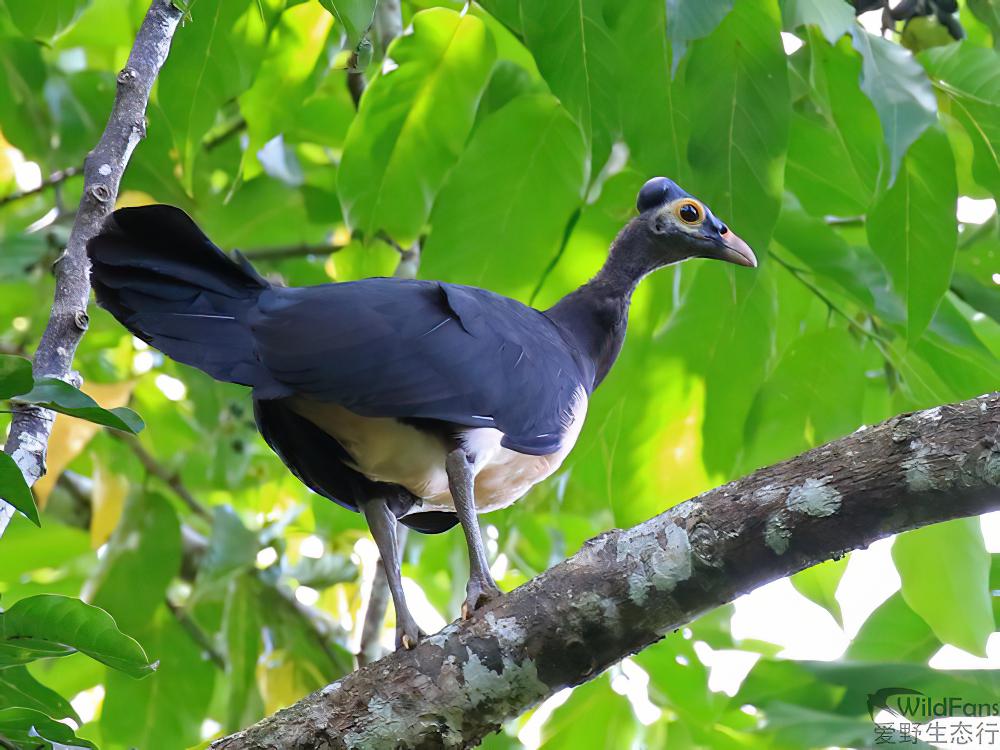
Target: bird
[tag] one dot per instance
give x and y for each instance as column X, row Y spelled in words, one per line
column 406, row 400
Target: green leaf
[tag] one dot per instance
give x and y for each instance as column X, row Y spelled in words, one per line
column 33, row 729
column 899, row 89
column 814, row 395
column 60, row 396
column 413, row 122
column 233, row 548
column 19, row 689
column 142, row 557
column 58, row 625
column 844, row 130
column 273, row 105
column 737, row 93
column 14, row 490
column 166, row 711
column 15, row 375
column 22, row 76
column 988, row 12
column 44, row 20
column 241, row 627
column 211, row 62
column 833, row 17
column 577, row 55
column 945, row 570
column 894, row 632
column 688, row 20
column 656, row 132
column 526, row 198
column 913, row 229
column 968, row 78
column 819, row 584
column 355, row 16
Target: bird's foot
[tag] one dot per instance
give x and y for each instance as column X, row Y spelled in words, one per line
column 479, row 592
column 408, row 634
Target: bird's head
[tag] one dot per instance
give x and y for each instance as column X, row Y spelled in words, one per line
column 680, row 226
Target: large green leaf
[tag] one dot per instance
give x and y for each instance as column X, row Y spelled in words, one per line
column 295, row 61
column 913, row 229
column 688, row 20
column 899, row 89
column 60, row 396
column 894, row 632
column 814, row 395
column 233, row 547
column 165, row 711
column 819, row 584
column 51, row 625
column 834, row 153
column 945, row 570
column 577, row 55
column 737, row 93
column 15, row 375
column 33, row 729
column 14, row 490
column 413, row 122
column 354, row 16
column 19, row 689
column 22, row 113
column 525, row 198
column 656, row 132
column 142, row 557
column 44, row 20
column 241, row 627
column 211, row 62
column 833, row 17
column 969, row 79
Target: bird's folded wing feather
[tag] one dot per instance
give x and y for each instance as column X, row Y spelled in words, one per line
column 422, row 349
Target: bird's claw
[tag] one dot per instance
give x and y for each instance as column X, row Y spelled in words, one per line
column 479, row 592
column 408, row 635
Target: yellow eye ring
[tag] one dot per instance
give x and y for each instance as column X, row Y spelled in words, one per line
column 689, row 212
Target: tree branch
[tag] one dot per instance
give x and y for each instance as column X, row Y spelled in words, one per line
column 31, row 426
column 626, row 589
column 57, row 177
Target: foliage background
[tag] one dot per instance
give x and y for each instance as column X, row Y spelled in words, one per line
column 509, row 139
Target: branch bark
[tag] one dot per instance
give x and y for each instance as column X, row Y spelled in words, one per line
column 626, row 589
column 31, row 426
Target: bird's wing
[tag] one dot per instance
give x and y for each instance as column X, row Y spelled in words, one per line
column 422, row 349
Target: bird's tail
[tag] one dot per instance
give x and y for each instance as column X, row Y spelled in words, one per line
column 164, row 280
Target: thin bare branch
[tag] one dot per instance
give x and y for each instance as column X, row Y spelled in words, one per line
column 103, row 169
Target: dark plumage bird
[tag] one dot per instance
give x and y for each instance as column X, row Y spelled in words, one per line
column 420, row 401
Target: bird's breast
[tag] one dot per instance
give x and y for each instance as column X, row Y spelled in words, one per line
column 388, row 450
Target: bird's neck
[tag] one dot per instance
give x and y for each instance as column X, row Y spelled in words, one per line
column 595, row 316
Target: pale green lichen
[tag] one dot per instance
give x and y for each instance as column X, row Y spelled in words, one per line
column 920, row 473
column 777, row 534
column 653, row 564
column 814, row 497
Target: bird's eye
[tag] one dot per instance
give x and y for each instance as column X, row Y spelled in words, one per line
column 689, row 212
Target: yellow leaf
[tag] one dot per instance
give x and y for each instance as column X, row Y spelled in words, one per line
column 282, row 681
column 107, row 502
column 70, row 435
column 130, row 198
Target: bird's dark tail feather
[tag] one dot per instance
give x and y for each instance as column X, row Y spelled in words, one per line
column 164, row 280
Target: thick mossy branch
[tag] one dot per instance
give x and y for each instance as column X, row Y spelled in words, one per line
column 31, row 426
column 627, row 588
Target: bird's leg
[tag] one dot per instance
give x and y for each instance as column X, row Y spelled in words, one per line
column 382, row 523
column 481, row 587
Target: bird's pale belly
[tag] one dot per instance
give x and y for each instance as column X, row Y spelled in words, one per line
column 387, row 450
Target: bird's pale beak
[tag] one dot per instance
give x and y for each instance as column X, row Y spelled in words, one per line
column 735, row 250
